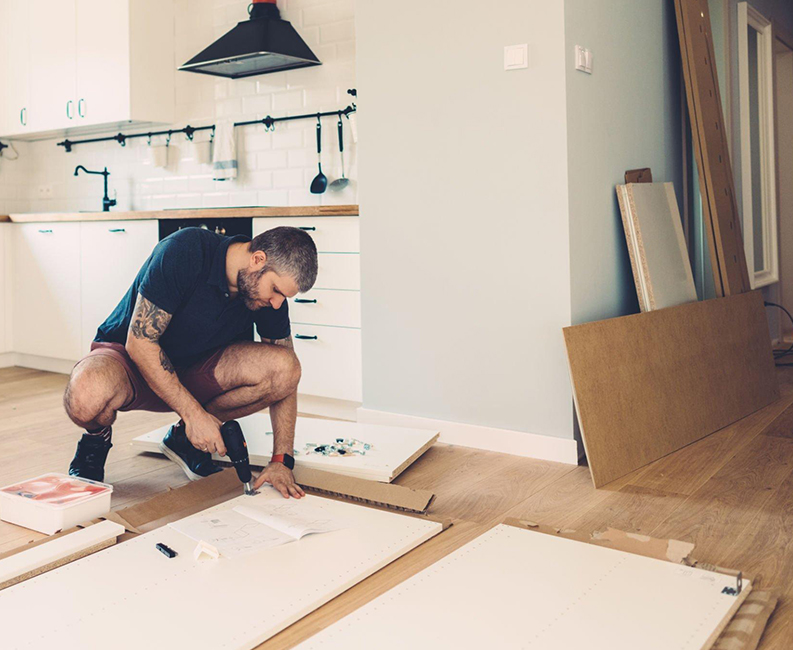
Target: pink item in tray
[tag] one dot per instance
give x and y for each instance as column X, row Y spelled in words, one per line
column 55, row 490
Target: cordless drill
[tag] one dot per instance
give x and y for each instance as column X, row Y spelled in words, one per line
column 237, row 451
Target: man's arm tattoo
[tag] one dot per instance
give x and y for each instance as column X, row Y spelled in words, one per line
column 166, row 362
column 149, row 322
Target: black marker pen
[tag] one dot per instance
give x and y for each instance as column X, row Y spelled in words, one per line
column 165, row 550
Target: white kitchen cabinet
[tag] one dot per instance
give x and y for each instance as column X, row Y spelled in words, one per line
column 93, row 64
column 326, row 321
column 14, row 67
column 4, row 281
column 112, row 253
column 331, row 361
column 46, row 289
column 52, row 64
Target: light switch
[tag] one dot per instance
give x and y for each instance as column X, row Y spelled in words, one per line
column 583, row 59
column 516, row 57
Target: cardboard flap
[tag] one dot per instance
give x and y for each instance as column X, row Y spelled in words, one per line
column 671, row 550
column 387, row 495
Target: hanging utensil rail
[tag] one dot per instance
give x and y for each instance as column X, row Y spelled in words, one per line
column 268, row 122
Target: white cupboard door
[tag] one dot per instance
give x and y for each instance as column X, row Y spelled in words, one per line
column 52, row 64
column 4, row 300
column 112, row 254
column 103, row 62
column 14, row 59
column 331, row 361
column 46, row 307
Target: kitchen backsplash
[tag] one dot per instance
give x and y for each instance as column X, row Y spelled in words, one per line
column 275, row 168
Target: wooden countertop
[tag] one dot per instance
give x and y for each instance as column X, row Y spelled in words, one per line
column 199, row 213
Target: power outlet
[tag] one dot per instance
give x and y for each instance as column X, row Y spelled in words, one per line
column 45, row 191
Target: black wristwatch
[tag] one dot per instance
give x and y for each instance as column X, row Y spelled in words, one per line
column 286, row 459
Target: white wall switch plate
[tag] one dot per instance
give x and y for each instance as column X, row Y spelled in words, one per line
column 516, row 57
column 583, row 59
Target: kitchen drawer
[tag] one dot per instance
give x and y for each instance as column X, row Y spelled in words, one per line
column 112, row 254
column 330, row 234
column 327, row 307
column 331, row 360
column 339, row 271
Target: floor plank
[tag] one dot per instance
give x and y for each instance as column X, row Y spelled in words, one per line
column 730, row 493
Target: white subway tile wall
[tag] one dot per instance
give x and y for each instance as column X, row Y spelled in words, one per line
column 275, row 168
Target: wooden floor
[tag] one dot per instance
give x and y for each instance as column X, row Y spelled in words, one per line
column 731, row 494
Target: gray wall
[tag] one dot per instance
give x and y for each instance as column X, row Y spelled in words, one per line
column 464, row 227
column 625, row 115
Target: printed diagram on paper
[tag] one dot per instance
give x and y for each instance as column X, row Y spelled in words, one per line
column 245, row 529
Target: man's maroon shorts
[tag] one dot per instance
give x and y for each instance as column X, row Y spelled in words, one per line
column 199, row 378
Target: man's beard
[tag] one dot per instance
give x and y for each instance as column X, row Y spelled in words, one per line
column 246, row 285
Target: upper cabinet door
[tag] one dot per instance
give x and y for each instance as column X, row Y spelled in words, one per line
column 14, row 73
column 52, row 64
column 103, row 61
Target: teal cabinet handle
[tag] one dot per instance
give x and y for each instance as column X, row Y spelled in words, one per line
column 307, row 227
column 306, row 338
column 306, row 301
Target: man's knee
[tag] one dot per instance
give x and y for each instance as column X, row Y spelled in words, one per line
column 285, row 374
column 89, row 393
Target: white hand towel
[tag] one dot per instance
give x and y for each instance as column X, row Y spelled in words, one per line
column 224, row 158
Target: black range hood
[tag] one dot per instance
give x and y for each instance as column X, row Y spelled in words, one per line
column 263, row 44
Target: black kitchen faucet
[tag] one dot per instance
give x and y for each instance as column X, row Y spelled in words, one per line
column 107, row 202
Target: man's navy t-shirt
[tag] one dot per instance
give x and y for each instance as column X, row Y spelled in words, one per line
column 186, row 276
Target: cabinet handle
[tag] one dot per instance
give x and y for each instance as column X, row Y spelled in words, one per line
column 80, row 105
column 306, row 301
column 23, row 116
column 68, row 109
column 306, row 338
column 45, row 232
column 116, row 230
column 306, row 227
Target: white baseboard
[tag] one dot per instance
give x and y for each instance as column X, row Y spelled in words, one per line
column 517, row 443
column 48, row 364
column 8, row 359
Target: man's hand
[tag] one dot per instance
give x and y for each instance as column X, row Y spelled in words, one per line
column 281, row 478
column 203, row 432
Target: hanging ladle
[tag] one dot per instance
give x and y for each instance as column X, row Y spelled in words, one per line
column 320, row 182
column 340, row 183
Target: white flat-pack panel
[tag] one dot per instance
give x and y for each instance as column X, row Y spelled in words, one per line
column 657, row 247
column 391, row 449
column 514, row 588
column 132, row 596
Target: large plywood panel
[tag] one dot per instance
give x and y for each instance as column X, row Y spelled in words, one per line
column 513, row 588
column 649, row 384
column 132, row 596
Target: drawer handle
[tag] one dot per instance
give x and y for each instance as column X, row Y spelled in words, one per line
column 307, row 227
column 44, row 232
column 306, row 338
column 306, row 301
column 116, row 230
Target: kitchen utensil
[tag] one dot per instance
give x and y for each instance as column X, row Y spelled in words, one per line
column 340, row 183
column 320, row 182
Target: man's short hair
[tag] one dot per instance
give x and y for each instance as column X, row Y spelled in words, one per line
column 290, row 251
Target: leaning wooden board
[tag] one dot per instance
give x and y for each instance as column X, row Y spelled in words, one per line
column 648, row 384
column 719, row 205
